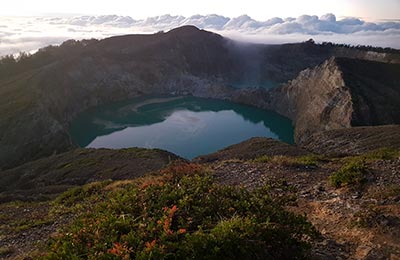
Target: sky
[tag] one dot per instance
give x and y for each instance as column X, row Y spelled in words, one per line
column 369, row 10
column 27, row 25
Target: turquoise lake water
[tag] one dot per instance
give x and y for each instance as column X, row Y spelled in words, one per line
column 186, row 126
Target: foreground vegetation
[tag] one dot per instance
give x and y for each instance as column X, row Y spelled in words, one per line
column 185, row 211
column 183, row 214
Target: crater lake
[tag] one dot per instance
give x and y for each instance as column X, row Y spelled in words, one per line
column 186, row 126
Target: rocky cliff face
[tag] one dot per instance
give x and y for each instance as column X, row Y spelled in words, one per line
column 316, row 100
column 340, row 93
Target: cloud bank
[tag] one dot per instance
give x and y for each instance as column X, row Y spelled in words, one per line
column 30, row 33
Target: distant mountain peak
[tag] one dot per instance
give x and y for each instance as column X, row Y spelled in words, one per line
column 185, row 29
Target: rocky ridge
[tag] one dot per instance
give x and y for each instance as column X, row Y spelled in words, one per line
column 45, row 178
column 251, row 149
column 354, row 140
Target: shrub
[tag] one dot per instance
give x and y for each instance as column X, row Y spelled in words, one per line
column 185, row 216
column 351, row 173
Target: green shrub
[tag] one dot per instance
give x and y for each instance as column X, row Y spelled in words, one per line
column 185, row 216
column 353, row 172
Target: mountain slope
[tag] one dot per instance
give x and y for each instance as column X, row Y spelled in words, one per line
column 39, row 101
column 41, row 94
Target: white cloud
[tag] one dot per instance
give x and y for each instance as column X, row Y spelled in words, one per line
column 30, row 33
column 210, row 21
column 331, row 18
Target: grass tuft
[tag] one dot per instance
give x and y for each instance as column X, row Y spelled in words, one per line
column 352, row 173
column 297, row 161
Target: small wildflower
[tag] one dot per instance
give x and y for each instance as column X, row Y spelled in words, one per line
column 167, row 225
column 150, row 245
column 172, row 211
column 121, row 250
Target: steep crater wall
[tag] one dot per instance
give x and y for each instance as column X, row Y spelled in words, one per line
column 340, row 93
